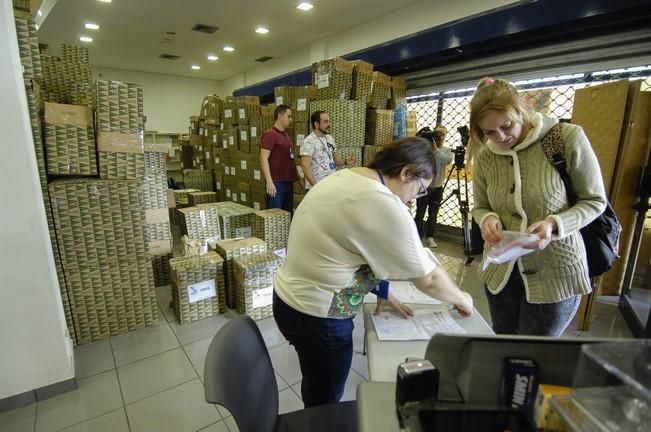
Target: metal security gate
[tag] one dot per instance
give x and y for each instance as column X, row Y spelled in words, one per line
column 552, row 95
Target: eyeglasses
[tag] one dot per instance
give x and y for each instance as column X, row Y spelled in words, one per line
column 422, row 191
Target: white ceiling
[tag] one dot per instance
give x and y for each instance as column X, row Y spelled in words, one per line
column 132, row 32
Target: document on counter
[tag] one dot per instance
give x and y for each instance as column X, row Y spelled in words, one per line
column 405, row 292
column 422, row 326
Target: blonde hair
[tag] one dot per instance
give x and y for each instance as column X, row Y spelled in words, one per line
column 497, row 95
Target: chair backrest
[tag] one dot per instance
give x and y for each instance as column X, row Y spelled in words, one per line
column 238, row 375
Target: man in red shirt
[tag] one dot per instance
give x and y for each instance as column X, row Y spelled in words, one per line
column 277, row 160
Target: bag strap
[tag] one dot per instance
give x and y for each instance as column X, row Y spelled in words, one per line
column 554, row 148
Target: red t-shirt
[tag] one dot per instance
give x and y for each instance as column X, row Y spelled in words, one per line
column 281, row 165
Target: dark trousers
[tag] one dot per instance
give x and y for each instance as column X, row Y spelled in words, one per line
column 284, row 198
column 430, row 203
column 512, row 314
column 325, row 351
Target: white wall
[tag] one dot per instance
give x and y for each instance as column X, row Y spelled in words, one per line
column 169, row 101
column 36, row 350
column 418, row 17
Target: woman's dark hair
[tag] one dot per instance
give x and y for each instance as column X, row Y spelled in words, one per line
column 280, row 109
column 316, row 118
column 416, row 153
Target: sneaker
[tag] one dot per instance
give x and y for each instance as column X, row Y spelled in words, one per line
column 430, row 243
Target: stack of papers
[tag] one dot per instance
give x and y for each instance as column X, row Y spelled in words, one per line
column 422, row 326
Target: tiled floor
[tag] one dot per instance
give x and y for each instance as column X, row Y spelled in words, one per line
column 150, row 380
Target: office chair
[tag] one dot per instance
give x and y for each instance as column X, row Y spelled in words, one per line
column 239, row 376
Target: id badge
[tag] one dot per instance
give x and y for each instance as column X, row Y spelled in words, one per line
column 332, row 165
column 291, row 153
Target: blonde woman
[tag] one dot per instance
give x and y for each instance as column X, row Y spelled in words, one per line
column 517, row 189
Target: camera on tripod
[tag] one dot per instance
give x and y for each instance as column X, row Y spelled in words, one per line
column 460, row 151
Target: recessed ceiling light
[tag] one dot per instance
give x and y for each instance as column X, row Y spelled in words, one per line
column 229, row 48
column 86, row 39
column 262, row 30
column 196, row 67
column 104, row 1
column 305, row 6
column 39, row 13
column 213, row 57
column 91, row 26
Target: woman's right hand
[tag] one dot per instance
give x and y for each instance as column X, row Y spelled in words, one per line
column 465, row 307
column 491, row 230
column 271, row 189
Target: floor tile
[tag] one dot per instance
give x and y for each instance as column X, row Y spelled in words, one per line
column 154, row 374
column 95, row 396
column 202, row 329
column 115, row 421
column 19, row 419
column 280, row 382
column 232, row 426
column 358, row 339
column 217, row 427
column 360, row 364
column 609, row 326
column 285, row 361
column 288, row 401
column 179, row 409
column 164, row 296
column 223, row 411
column 270, row 332
column 143, row 343
column 93, row 358
column 197, row 352
column 350, row 392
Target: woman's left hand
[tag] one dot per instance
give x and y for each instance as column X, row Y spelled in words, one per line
column 543, row 229
column 392, row 304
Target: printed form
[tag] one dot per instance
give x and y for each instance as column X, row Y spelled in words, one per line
column 422, row 326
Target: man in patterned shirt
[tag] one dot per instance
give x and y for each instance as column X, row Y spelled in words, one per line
column 318, row 155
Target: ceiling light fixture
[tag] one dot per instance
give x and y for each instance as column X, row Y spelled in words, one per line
column 212, row 57
column 104, row 1
column 91, row 26
column 229, row 48
column 262, row 30
column 305, row 6
column 86, row 39
column 196, row 67
column 39, row 13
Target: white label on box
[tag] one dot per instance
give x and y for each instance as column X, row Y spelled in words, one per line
column 342, row 96
column 254, row 132
column 244, row 232
column 170, row 151
column 256, row 175
column 234, row 197
column 300, row 138
column 217, row 161
column 228, row 113
column 242, row 113
column 256, row 206
column 202, row 215
column 208, row 155
column 242, row 197
column 389, row 93
column 279, row 100
column 281, row 253
column 219, row 186
column 214, row 138
column 243, row 135
column 231, row 141
column 205, row 132
column 232, row 170
column 262, row 297
column 200, row 131
column 228, row 192
column 227, row 170
column 243, row 164
column 221, row 126
column 301, row 104
column 225, row 143
column 201, row 291
column 323, row 80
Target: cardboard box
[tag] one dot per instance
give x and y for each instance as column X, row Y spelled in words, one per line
column 247, row 100
column 380, row 91
column 267, row 110
column 258, row 200
column 379, row 127
column 244, row 193
column 272, row 226
column 244, row 145
column 212, row 107
column 253, row 278
column 333, row 78
column 362, row 81
column 198, row 179
column 348, row 119
column 398, row 94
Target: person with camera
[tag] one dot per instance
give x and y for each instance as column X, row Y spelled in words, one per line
column 319, row 158
column 350, row 232
column 517, row 189
column 431, row 202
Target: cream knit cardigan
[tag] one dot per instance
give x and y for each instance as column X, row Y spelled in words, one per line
column 520, row 187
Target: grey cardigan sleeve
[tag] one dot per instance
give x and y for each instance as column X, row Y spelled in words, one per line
column 587, row 182
column 482, row 208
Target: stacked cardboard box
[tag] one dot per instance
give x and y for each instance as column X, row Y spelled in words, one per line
column 198, row 179
column 369, row 153
column 120, row 126
column 196, row 198
column 362, row 81
column 236, row 248
column 379, row 127
column 381, row 90
column 398, row 94
column 30, row 56
column 229, row 113
column 272, row 226
column 284, row 95
column 99, row 226
column 253, row 284
column 54, row 82
column 198, row 289
column 182, row 198
column 161, row 266
column 412, row 127
column 74, row 54
column 347, row 118
column 70, row 140
column 333, row 78
column 211, row 108
column 81, row 93
column 248, row 109
column 200, row 223
column 235, row 219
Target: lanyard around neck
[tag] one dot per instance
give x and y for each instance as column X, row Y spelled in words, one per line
column 381, row 177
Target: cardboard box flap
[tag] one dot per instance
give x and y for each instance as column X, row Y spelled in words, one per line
column 120, row 143
column 64, row 114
